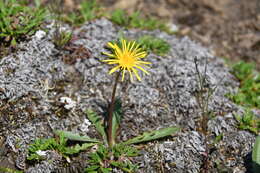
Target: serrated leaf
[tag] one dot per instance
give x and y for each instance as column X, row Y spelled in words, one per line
column 97, row 121
column 124, row 150
column 75, row 137
column 153, row 135
column 256, row 156
column 34, row 157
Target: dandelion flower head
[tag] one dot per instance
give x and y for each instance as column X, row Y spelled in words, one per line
column 127, row 56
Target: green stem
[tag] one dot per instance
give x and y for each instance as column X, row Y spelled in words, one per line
column 111, row 140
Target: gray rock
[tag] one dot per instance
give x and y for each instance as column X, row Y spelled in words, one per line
column 163, row 98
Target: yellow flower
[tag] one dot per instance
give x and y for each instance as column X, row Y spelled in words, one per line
column 127, row 58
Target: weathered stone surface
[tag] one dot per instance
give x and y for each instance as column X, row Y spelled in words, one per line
column 164, row 98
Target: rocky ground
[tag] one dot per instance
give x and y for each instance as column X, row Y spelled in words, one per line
column 229, row 27
column 37, row 76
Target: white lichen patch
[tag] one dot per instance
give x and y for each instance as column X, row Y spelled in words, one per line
column 69, row 103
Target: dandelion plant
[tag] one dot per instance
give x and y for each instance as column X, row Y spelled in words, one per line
column 127, row 57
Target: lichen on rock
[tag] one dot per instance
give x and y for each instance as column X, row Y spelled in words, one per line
column 163, row 98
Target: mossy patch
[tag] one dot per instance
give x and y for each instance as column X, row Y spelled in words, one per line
column 154, row 44
column 248, row 93
column 135, row 20
column 18, row 21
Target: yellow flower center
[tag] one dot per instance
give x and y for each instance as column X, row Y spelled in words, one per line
column 127, row 60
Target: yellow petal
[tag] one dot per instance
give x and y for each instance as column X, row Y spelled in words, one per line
column 136, row 50
column 118, row 51
column 123, row 75
column 141, row 69
column 127, row 58
column 143, row 62
column 140, row 55
column 131, row 76
column 112, row 63
column 110, row 60
column 111, row 45
column 132, row 46
column 114, row 69
column 108, row 54
column 119, row 56
column 136, row 74
column 124, row 45
column 128, row 46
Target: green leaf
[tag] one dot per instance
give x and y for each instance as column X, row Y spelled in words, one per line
column 248, row 121
column 218, row 138
column 9, row 170
column 77, row 148
column 117, row 116
column 17, row 20
column 75, row 137
column 256, row 156
column 106, row 170
column 249, row 90
column 119, row 17
column 92, row 168
column 41, row 144
column 97, row 121
column 13, row 42
column 243, row 70
column 126, row 167
column 34, row 157
column 154, row 44
column 120, row 150
column 37, row 3
column 89, row 9
column 153, row 135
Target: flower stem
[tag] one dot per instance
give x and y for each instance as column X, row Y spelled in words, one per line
column 111, row 140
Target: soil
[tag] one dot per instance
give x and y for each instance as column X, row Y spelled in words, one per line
column 229, row 27
column 36, row 76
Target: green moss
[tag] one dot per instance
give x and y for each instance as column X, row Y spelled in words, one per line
column 248, row 93
column 249, row 122
column 119, row 17
column 57, row 145
column 100, row 161
column 148, row 43
column 9, row 170
column 154, row 44
column 17, row 21
column 136, row 21
column 88, row 10
column 61, row 38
